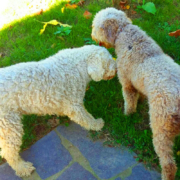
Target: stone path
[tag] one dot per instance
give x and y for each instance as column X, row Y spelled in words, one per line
column 68, row 154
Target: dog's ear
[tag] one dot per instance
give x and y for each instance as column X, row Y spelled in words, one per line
column 110, row 28
column 129, row 20
column 95, row 70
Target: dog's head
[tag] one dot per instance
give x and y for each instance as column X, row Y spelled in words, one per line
column 101, row 65
column 106, row 24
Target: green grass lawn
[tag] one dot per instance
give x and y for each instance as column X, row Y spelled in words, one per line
column 20, row 42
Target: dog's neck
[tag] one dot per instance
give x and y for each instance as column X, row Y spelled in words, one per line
column 121, row 29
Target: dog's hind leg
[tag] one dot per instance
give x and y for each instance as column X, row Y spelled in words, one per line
column 165, row 128
column 79, row 115
column 131, row 96
column 11, row 132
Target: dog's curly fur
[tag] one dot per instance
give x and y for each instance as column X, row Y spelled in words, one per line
column 143, row 67
column 55, row 85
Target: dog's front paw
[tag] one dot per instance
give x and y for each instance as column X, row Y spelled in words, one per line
column 24, row 169
column 97, row 125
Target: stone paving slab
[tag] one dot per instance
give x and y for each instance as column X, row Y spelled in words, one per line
column 68, row 154
column 140, row 173
column 155, row 175
column 48, row 155
column 105, row 161
column 6, row 173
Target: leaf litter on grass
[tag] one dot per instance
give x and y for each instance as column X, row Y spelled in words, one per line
column 55, row 23
column 175, row 33
column 87, row 14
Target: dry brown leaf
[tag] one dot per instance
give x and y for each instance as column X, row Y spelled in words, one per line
column 175, row 33
column 87, row 14
column 39, row 12
column 71, row 6
column 53, row 45
column 1, row 54
column 122, row 4
column 53, row 122
column 60, row 37
column 81, row 3
column 133, row 12
column 123, row 7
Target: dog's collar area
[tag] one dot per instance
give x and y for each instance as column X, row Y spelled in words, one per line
column 120, row 29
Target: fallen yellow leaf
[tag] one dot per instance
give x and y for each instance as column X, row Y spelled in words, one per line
column 128, row 6
column 52, row 22
column 62, row 9
column 43, row 29
column 71, row 6
column 55, row 22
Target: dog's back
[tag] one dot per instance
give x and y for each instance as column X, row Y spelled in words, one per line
column 36, row 87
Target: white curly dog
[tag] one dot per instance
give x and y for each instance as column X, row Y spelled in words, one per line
column 55, row 85
column 144, row 68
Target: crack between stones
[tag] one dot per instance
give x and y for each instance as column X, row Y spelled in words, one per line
column 126, row 173
column 76, row 155
column 55, row 176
